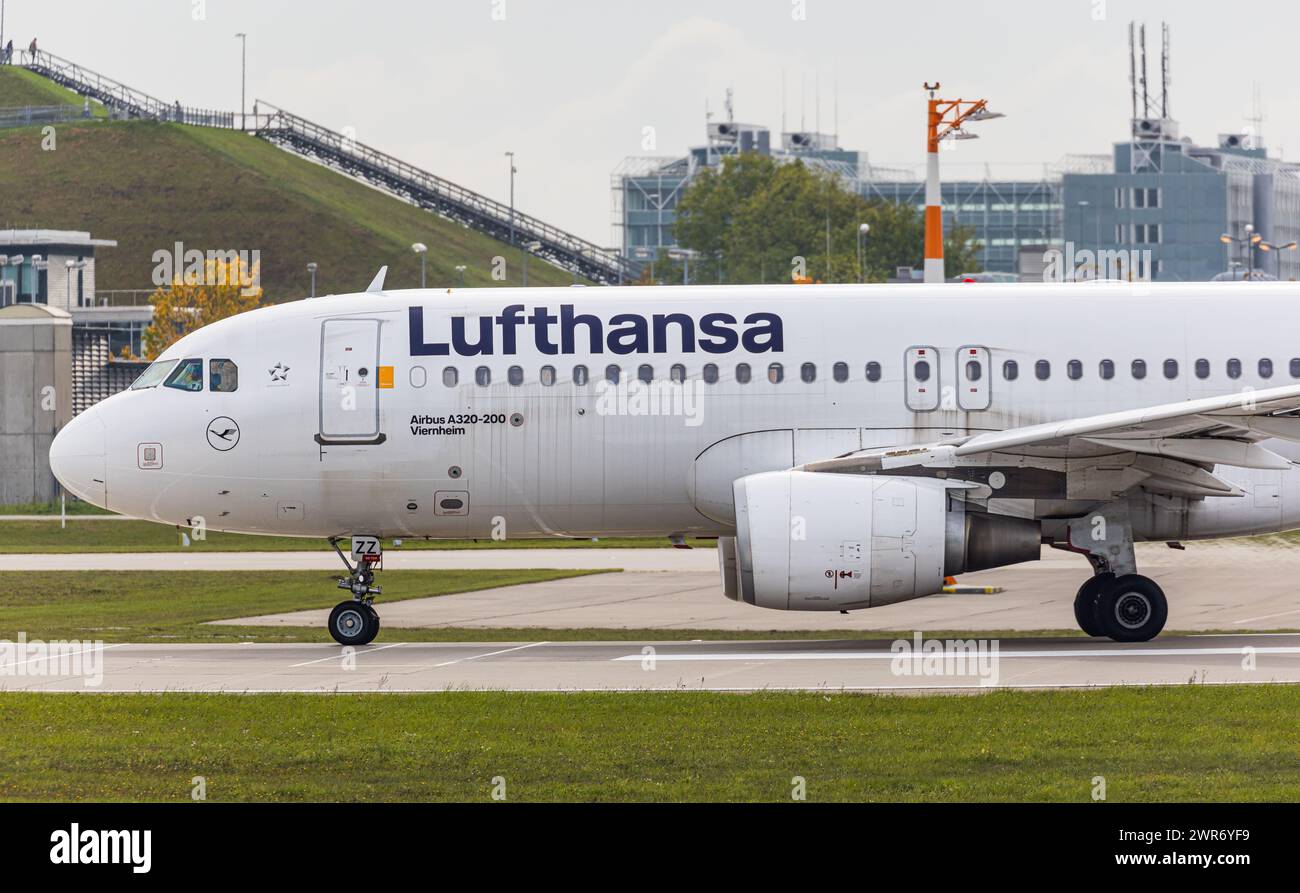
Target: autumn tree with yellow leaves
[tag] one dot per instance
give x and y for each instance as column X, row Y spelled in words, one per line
column 193, row 300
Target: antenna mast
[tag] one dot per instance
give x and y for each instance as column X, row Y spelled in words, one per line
column 1146, row 99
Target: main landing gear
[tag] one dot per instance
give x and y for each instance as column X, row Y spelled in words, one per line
column 1128, row 608
column 356, row 622
column 1117, row 603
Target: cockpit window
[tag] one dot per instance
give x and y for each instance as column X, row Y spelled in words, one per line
column 223, row 376
column 154, row 375
column 187, row 377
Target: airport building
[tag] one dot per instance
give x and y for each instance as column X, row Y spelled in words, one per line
column 1155, row 193
column 1159, row 199
column 56, row 269
column 35, row 398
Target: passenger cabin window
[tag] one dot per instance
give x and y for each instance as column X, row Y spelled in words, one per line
column 1107, row 370
column 548, row 376
column 450, row 376
column 223, row 376
column 1202, row 369
column 1010, row 370
column 1171, row 369
column 710, row 373
column 743, row 373
column 677, row 374
column 1295, row 368
column 1043, row 370
column 1265, row 368
column 187, row 377
column 646, row 373
column 515, row 375
column 808, row 373
column 1139, row 369
column 612, row 374
column 776, row 373
column 921, row 370
column 155, row 374
column 841, row 372
column 974, row 370
column 873, row 372
column 580, row 375
column 1234, row 368
column 482, row 376
column 1074, row 369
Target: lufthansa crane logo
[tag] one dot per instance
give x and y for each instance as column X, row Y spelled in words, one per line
column 223, row 434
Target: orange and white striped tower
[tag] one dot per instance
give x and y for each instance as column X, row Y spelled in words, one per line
column 944, row 121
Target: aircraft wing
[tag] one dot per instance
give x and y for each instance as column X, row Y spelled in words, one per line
column 1169, row 448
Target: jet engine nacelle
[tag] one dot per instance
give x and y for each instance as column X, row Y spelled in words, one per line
column 830, row 542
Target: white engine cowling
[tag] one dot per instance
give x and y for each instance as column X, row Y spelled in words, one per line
column 828, row 542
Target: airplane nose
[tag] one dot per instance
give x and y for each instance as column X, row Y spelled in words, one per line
column 78, row 458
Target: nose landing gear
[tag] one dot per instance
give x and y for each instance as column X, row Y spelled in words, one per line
column 356, row 622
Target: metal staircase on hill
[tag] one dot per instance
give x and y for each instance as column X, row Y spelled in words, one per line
column 419, row 187
column 338, row 152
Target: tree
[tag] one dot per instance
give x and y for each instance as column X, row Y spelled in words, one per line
column 756, row 219
column 193, row 301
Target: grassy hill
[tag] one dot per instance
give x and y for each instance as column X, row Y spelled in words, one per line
column 19, row 87
column 148, row 185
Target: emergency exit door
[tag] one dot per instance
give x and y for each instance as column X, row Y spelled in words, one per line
column 973, row 379
column 921, row 379
column 350, row 382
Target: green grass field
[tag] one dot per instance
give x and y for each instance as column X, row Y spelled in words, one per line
column 20, row 88
column 176, row 605
column 52, row 509
column 148, row 185
column 47, row 537
column 1174, row 744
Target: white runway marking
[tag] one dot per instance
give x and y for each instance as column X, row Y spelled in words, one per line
column 1268, row 616
column 911, row 655
column 340, row 655
column 489, row 654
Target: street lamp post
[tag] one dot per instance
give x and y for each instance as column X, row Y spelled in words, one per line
column 863, row 231
column 1269, row 246
column 311, row 268
column 460, row 268
column 1247, row 243
column 423, row 251
column 243, row 78
column 513, row 170
column 529, row 249
column 73, row 266
column 646, row 254
column 685, row 254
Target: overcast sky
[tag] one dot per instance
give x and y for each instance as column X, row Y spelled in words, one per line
column 571, row 85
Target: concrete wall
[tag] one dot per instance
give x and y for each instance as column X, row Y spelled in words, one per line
column 35, row 399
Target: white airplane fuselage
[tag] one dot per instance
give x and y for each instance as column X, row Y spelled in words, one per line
column 347, row 418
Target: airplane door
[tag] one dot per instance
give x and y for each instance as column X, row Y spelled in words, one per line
column 921, row 379
column 973, row 379
column 350, row 380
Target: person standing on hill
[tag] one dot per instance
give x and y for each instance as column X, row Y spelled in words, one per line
column 32, row 49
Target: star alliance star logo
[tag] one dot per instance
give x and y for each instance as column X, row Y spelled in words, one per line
column 279, row 374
